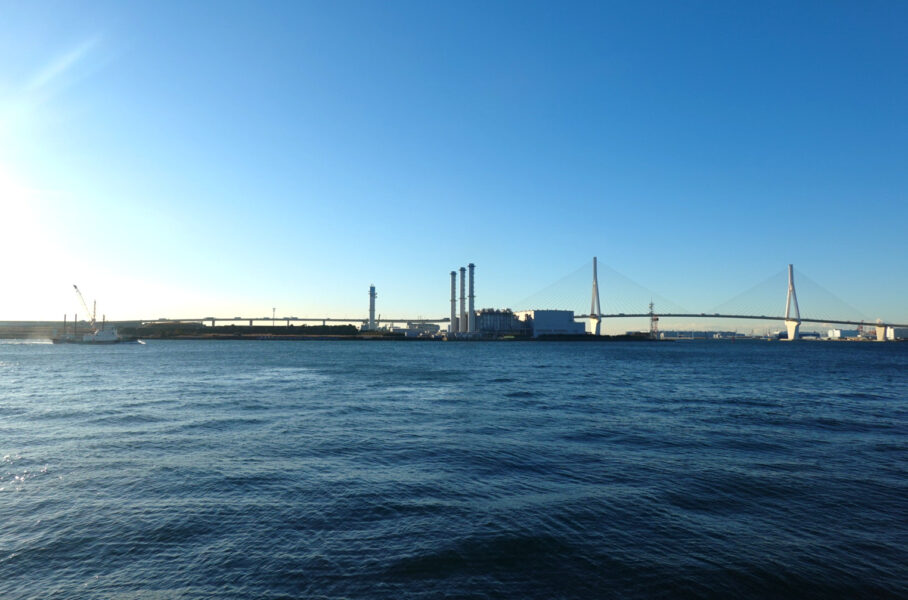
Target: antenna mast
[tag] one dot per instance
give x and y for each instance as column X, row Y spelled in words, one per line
column 653, row 322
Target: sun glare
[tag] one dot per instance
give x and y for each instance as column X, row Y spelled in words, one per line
column 33, row 260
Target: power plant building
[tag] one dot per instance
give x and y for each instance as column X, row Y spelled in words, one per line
column 551, row 322
column 466, row 321
column 491, row 322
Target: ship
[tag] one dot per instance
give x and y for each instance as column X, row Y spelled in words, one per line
column 104, row 335
column 99, row 334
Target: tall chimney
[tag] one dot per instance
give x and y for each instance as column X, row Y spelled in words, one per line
column 453, row 326
column 462, row 324
column 371, row 308
column 471, row 317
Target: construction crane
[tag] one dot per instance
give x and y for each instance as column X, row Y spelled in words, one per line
column 91, row 313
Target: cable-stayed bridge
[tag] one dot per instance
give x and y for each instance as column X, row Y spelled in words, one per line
column 625, row 298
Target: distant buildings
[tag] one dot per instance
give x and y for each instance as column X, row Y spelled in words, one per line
column 551, row 322
column 492, row 322
column 670, row 334
column 417, row 330
column 897, row 333
column 839, row 334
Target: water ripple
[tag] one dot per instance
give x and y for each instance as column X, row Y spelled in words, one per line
column 396, row 470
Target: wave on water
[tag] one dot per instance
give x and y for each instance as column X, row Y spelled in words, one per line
column 362, row 470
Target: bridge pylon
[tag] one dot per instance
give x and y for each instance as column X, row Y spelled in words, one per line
column 595, row 310
column 792, row 312
column 880, row 331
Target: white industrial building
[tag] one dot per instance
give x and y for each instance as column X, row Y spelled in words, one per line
column 840, row 334
column 897, row 333
column 551, row 322
column 491, row 322
column 417, row 330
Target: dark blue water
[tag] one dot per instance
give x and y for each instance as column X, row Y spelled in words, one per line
column 427, row 470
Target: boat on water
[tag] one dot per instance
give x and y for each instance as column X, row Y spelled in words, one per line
column 99, row 334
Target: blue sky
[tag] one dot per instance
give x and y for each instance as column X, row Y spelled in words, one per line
column 190, row 159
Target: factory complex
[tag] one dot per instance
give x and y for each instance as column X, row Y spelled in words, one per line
column 467, row 323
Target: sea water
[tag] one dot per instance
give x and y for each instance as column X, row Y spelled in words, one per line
column 357, row 469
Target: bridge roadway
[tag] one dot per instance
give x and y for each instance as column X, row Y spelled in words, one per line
column 325, row 320
column 721, row 316
column 288, row 320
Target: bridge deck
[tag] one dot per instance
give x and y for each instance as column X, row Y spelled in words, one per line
column 721, row 316
column 447, row 319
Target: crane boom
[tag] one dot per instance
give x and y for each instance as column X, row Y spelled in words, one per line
column 91, row 315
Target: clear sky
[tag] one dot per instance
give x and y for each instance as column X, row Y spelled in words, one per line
column 190, row 159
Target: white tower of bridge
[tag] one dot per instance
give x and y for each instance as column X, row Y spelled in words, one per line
column 792, row 313
column 595, row 310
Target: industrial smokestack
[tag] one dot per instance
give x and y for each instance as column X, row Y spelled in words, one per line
column 463, row 301
column 371, row 308
column 471, row 316
column 453, row 326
